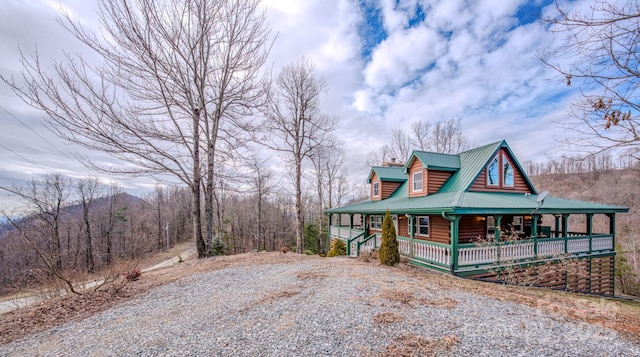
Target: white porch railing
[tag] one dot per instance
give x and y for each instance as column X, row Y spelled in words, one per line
column 344, row 233
column 469, row 254
column 423, row 250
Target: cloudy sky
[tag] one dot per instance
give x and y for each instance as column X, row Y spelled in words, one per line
column 387, row 63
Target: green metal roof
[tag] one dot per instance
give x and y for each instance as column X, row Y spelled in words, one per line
column 476, row 203
column 393, row 173
column 435, row 161
column 454, row 198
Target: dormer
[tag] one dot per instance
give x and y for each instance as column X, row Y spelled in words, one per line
column 502, row 173
column 427, row 171
column 384, row 181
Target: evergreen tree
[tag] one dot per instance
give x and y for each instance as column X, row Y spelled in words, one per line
column 389, row 253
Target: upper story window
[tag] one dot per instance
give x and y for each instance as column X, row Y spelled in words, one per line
column 375, row 222
column 417, row 181
column 376, row 189
column 507, row 180
column 492, row 173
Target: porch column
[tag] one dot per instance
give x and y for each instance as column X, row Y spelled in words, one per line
column 365, row 226
column 350, row 221
column 590, row 230
column 612, row 231
column 534, row 233
column 455, row 225
column 565, row 232
column 557, row 227
column 411, row 234
column 497, row 230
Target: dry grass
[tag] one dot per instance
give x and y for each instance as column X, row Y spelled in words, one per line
column 410, row 344
column 404, row 297
column 312, row 275
column 385, row 318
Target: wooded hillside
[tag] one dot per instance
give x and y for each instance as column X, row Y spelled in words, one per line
column 618, row 187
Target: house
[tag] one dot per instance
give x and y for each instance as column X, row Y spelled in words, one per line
column 477, row 214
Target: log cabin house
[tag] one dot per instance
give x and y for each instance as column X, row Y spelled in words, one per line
column 477, row 214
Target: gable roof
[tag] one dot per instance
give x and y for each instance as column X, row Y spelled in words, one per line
column 390, row 173
column 473, row 162
column 434, row 161
column 453, row 197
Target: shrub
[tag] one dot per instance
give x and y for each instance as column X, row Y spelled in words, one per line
column 388, row 253
column 133, row 275
column 338, row 247
column 217, row 248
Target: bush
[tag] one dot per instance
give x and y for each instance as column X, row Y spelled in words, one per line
column 308, row 252
column 338, row 247
column 133, row 275
column 217, row 248
column 388, row 253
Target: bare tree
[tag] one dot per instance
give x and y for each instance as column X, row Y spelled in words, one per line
column 88, row 191
column 294, row 118
column 175, row 76
column 600, row 52
column 419, row 135
column 447, row 137
column 400, row 144
column 262, row 177
column 377, row 157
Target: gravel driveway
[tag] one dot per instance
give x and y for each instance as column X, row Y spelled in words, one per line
column 320, row 307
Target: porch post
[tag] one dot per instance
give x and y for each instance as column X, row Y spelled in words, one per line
column 612, row 231
column 455, row 224
column 534, row 233
column 590, row 230
column 411, row 234
column 497, row 230
column 350, row 221
column 557, row 227
column 565, row 231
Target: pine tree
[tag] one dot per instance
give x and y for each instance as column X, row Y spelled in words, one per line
column 389, row 253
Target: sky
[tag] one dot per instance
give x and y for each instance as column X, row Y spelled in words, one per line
column 386, row 63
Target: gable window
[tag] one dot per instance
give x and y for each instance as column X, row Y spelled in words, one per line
column 422, row 226
column 375, row 222
column 376, row 189
column 507, row 180
column 417, row 181
column 492, row 173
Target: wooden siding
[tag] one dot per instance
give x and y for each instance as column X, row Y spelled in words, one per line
column 436, row 179
column 403, row 225
column 416, row 166
column 519, row 182
column 470, row 228
column 388, row 188
column 440, row 230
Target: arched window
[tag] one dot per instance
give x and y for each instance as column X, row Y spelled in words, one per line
column 492, row 173
column 507, row 172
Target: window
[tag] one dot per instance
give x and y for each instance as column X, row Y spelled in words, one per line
column 417, row 181
column 518, row 224
column 507, row 172
column 422, row 226
column 491, row 227
column 376, row 189
column 492, row 173
column 375, row 222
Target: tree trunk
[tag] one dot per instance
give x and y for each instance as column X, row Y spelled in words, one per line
column 195, row 189
column 299, row 217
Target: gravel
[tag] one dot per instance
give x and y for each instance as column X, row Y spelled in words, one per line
column 320, row 307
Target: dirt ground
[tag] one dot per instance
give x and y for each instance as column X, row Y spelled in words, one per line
column 618, row 314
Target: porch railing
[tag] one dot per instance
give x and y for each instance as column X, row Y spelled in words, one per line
column 480, row 254
column 431, row 252
column 344, row 233
column 472, row 254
